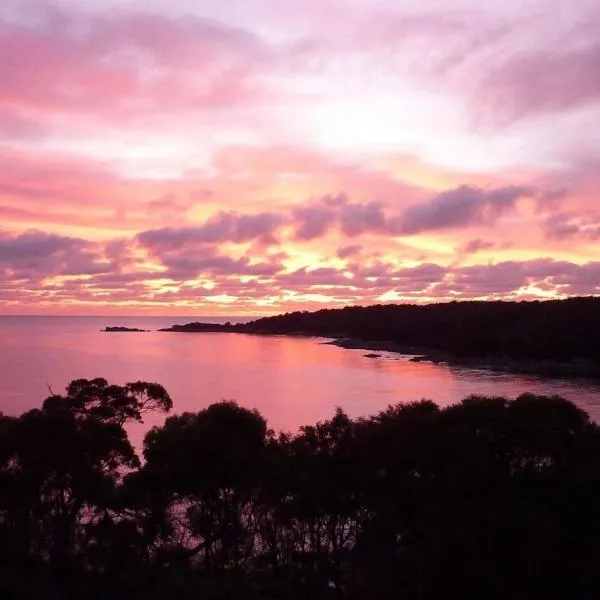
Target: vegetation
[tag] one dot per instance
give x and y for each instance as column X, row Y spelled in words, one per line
column 490, row 499
column 551, row 329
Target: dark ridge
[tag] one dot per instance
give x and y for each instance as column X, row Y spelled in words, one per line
column 203, row 328
column 122, row 329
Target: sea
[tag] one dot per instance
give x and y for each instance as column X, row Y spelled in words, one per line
column 291, row 381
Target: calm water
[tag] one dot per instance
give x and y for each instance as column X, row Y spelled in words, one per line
column 291, row 381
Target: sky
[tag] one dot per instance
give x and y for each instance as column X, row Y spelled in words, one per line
column 249, row 157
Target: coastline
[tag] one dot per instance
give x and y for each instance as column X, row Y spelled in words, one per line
column 551, row 368
column 120, row 329
column 575, row 368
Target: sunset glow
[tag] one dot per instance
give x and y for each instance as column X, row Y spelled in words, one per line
column 253, row 157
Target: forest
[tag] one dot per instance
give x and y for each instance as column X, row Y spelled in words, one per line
column 489, row 498
column 551, row 329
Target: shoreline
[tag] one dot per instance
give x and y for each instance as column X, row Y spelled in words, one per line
column 551, row 368
column 576, row 368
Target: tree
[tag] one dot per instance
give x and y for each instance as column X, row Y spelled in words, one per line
column 110, row 403
column 199, row 482
column 490, row 498
column 60, row 468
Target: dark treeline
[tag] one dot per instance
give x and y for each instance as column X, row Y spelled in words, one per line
column 490, row 498
column 556, row 330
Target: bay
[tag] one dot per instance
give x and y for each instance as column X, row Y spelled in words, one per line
column 292, row 381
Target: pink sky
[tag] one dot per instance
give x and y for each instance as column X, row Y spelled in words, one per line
column 254, row 156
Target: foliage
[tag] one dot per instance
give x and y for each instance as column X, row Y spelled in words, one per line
column 489, row 498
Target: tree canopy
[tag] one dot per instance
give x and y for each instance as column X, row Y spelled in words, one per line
column 489, row 498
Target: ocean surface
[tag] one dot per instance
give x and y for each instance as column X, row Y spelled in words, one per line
column 291, row 381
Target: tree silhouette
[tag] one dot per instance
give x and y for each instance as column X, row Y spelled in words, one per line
column 489, row 498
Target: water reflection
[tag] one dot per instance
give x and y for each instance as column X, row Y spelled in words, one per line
column 292, row 381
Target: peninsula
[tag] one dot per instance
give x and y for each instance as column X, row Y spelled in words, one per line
column 550, row 338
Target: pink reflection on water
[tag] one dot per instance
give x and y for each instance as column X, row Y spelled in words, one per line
column 291, row 381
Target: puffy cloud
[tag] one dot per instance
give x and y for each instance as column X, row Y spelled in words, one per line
column 34, row 255
column 568, row 226
column 223, row 227
column 356, row 219
column 461, row 207
column 310, row 221
column 458, row 208
column 189, row 265
column 313, row 221
column 425, row 273
column 505, row 279
column 559, row 226
column 305, row 278
column 33, row 245
column 205, row 274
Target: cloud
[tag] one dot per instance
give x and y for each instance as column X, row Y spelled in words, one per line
column 504, row 279
column 223, row 227
column 474, row 246
column 34, row 255
column 316, row 218
column 425, row 273
column 31, row 262
column 310, row 221
column 461, row 207
column 34, row 245
column 464, row 206
column 146, row 62
column 356, row 219
column 187, row 265
column 559, row 226
column 562, row 226
column 41, row 187
column 348, row 251
column 191, row 148
column 375, row 278
column 306, row 278
column 44, row 190
column 170, row 205
column 313, row 221
column 509, row 66
column 190, row 252
column 544, row 80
